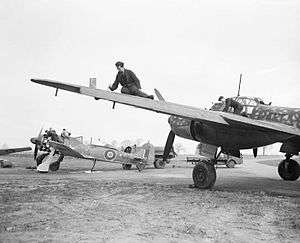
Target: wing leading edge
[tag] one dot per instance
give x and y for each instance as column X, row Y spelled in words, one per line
column 153, row 105
column 67, row 151
column 14, row 150
column 170, row 108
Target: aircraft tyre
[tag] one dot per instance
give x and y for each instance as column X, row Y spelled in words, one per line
column 159, row 164
column 140, row 166
column 204, row 175
column 230, row 163
column 55, row 166
column 289, row 170
column 40, row 158
column 126, row 166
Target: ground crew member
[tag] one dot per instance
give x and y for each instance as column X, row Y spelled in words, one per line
column 229, row 102
column 65, row 134
column 52, row 135
column 131, row 84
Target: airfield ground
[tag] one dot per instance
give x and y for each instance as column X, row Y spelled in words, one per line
column 249, row 203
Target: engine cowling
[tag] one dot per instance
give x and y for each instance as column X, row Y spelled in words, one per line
column 181, row 126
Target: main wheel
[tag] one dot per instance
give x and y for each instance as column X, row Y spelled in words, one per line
column 126, row 166
column 40, row 158
column 55, row 166
column 289, row 170
column 159, row 164
column 204, row 175
column 140, row 166
column 230, row 163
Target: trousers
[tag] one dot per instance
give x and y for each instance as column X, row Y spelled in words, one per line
column 133, row 90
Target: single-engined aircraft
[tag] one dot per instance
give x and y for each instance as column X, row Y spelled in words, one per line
column 54, row 153
column 263, row 125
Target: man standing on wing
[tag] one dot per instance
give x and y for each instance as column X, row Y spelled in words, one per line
column 130, row 83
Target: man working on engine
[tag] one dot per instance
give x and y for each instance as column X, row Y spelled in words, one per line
column 130, row 83
column 229, row 102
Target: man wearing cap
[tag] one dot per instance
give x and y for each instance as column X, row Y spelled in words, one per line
column 229, row 102
column 130, row 83
column 65, row 134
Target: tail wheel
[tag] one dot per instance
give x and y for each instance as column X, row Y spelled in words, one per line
column 55, row 166
column 289, row 170
column 126, row 166
column 230, row 163
column 40, row 158
column 159, row 164
column 204, row 175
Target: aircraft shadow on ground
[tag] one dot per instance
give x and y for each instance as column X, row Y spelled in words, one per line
column 273, row 187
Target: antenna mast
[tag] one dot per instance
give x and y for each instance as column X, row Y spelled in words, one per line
column 239, row 85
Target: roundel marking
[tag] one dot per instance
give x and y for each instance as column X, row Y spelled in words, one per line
column 110, row 154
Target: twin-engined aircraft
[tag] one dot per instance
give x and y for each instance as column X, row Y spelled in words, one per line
column 262, row 125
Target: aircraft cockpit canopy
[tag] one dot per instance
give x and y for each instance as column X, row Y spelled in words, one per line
column 248, row 104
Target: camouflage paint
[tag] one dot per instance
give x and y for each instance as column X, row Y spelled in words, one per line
column 288, row 116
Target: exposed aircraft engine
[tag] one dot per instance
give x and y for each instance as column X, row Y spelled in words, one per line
column 181, row 127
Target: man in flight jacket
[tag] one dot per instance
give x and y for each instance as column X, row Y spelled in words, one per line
column 130, row 83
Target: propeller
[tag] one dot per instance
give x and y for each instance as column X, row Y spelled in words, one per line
column 169, row 145
column 37, row 142
column 255, row 152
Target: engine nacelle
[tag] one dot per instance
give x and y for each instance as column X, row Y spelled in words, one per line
column 181, row 127
column 291, row 146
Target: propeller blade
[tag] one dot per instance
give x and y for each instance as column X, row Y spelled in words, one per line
column 40, row 134
column 36, row 149
column 255, row 152
column 37, row 141
column 169, row 145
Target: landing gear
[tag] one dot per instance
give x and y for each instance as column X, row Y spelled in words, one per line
column 288, row 169
column 204, row 172
column 230, row 163
column 204, row 175
column 94, row 163
column 54, row 166
column 126, row 166
column 140, row 166
column 40, row 158
column 159, row 164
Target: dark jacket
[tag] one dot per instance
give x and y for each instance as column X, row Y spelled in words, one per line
column 127, row 79
column 229, row 102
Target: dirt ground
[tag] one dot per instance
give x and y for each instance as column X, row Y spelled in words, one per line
column 249, row 203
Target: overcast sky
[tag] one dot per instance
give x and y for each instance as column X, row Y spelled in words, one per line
column 192, row 51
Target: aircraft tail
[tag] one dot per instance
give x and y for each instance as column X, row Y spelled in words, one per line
column 93, row 83
column 159, row 96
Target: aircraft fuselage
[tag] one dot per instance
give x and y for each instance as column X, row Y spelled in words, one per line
column 238, row 137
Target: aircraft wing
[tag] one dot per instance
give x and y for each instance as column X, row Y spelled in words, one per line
column 170, row 108
column 14, row 150
column 66, row 150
